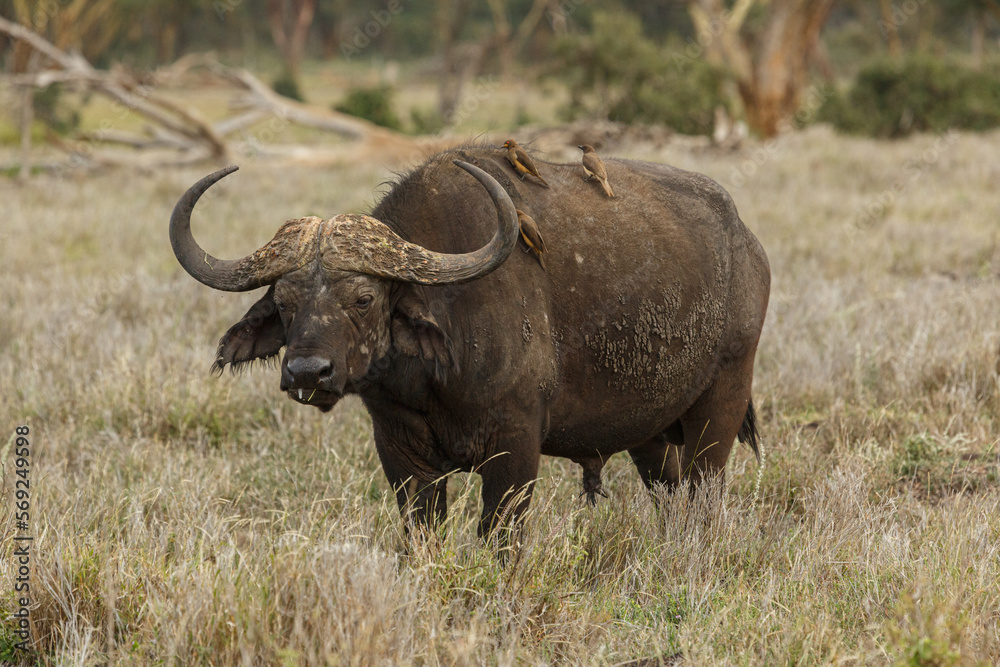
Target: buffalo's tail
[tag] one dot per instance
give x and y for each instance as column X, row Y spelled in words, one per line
column 748, row 434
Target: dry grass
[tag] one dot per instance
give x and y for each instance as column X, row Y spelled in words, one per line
column 185, row 519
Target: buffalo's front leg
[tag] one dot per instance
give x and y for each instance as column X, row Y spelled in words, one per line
column 421, row 491
column 508, row 480
column 423, row 503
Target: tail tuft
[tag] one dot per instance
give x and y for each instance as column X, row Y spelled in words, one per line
column 748, row 434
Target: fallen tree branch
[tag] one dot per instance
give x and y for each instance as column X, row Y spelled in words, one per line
column 40, row 44
column 182, row 129
column 142, row 100
column 158, row 140
column 263, row 98
column 228, row 126
column 82, row 154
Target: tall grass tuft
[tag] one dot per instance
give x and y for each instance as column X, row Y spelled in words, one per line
column 187, row 519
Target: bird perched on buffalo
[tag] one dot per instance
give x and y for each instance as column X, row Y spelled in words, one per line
column 595, row 168
column 521, row 162
column 531, row 235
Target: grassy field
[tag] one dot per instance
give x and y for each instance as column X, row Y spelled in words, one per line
column 182, row 518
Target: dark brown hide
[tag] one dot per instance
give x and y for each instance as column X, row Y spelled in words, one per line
column 639, row 336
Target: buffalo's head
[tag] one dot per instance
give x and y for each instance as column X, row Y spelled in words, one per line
column 333, row 299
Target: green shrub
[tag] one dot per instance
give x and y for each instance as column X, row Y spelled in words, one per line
column 917, row 94
column 10, row 131
column 371, row 103
column 52, row 109
column 53, row 112
column 287, row 86
column 683, row 98
column 425, row 121
column 615, row 71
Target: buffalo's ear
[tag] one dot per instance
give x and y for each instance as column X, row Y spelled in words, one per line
column 416, row 333
column 260, row 335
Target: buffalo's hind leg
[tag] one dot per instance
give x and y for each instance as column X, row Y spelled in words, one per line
column 658, row 459
column 715, row 420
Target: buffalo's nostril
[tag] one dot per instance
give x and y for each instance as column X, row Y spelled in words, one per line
column 312, row 371
column 324, row 373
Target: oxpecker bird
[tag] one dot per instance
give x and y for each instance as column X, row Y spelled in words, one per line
column 521, row 162
column 595, row 168
column 531, row 235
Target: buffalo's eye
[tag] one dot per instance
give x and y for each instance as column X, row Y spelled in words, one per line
column 281, row 307
column 363, row 301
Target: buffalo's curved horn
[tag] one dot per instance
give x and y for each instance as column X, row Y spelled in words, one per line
column 366, row 245
column 349, row 242
column 263, row 267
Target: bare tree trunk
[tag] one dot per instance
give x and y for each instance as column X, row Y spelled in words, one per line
column 304, row 14
column 276, row 20
column 781, row 72
column 332, row 26
column 462, row 61
column 719, row 30
column 978, row 36
column 529, row 24
column 771, row 80
column 167, row 43
column 452, row 16
column 889, row 28
column 291, row 40
column 27, row 119
column 501, row 35
column 821, row 60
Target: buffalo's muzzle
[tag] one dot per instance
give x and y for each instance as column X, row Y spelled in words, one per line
column 311, row 380
column 315, row 372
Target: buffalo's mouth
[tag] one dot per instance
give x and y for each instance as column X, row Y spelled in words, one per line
column 318, row 398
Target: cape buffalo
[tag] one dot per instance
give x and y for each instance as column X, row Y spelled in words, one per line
column 639, row 334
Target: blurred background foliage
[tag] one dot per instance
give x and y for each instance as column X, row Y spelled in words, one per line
column 918, row 93
column 887, row 68
column 615, row 71
column 373, row 103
